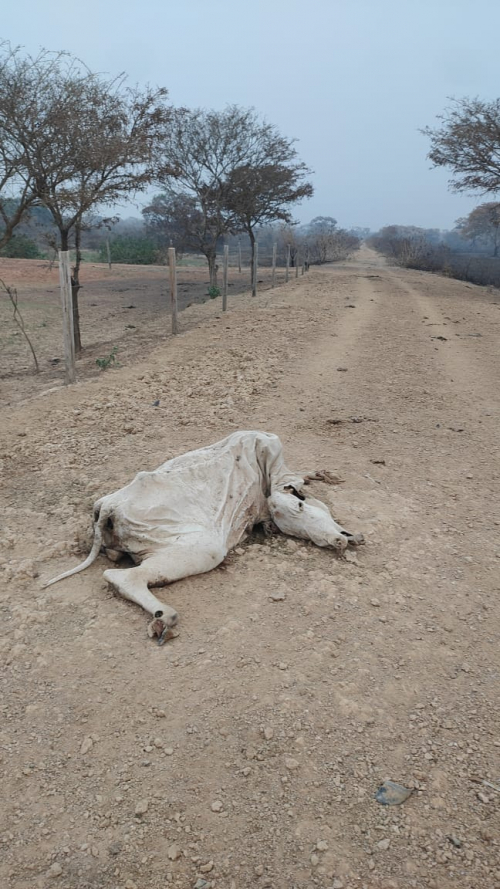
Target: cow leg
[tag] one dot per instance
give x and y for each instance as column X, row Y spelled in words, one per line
column 160, row 569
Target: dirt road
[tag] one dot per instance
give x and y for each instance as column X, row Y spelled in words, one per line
column 246, row 753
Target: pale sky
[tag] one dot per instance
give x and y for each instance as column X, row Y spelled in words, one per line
column 351, row 80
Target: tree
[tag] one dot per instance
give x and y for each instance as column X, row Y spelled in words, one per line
column 262, row 190
column 85, row 141
column 468, row 142
column 320, row 236
column 20, row 79
column 176, row 219
column 483, row 223
column 263, row 193
column 201, row 150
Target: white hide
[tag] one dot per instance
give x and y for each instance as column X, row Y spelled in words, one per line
column 184, row 517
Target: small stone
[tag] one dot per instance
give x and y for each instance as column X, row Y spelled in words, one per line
column 337, row 884
column 130, row 885
column 173, row 852
column 201, row 884
column 314, row 859
column 158, row 742
column 268, row 733
column 322, row 846
column 168, row 751
column 383, row 845
column 87, row 745
column 142, row 807
column 283, row 666
column 392, row 794
column 465, row 668
column 246, row 771
column 55, row 870
column 277, row 597
column 291, row 763
column 206, row 868
column 217, row 806
column 259, row 870
column 482, row 797
column 375, row 603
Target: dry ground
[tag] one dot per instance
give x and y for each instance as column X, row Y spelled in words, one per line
column 246, row 752
column 127, row 307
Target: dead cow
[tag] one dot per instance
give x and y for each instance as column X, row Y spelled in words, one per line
column 184, row 517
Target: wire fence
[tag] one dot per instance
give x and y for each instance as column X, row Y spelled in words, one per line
column 122, row 304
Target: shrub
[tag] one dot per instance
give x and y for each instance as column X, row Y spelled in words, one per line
column 134, row 251
column 21, row 247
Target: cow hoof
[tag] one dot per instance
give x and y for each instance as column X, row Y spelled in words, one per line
column 162, row 625
column 356, row 539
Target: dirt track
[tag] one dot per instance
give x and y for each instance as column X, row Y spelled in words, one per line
column 254, row 742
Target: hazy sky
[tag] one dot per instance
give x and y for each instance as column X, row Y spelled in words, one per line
column 352, row 80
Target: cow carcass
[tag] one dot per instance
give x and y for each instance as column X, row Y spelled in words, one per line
column 184, row 517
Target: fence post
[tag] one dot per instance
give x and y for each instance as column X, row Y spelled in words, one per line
column 287, row 263
column 303, row 266
column 108, row 250
column 239, row 256
column 224, row 277
column 273, row 280
column 296, row 265
column 173, row 287
column 67, row 312
column 255, row 266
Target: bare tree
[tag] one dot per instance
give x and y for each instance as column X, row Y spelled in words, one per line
column 272, row 179
column 483, row 224
column 202, row 149
column 468, row 142
column 11, row 293
column 21, row 78
column 85, row 142
column 176, row 219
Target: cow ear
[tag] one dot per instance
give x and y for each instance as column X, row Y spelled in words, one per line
column 97, row 511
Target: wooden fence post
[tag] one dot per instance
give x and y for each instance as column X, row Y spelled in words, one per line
column 296, row 265
column 239, row 256
column 173, row 287
column 287, row 263
column 224, row 277
column 273, row 280
column 255, row 266
column 67, row 313
column 303, row 266
column 108, row 250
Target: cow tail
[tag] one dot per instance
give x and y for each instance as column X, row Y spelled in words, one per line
column 92, row 556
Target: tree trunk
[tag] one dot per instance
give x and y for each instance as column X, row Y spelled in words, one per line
column 75, row 287
column 212, row 268
column 252, row 265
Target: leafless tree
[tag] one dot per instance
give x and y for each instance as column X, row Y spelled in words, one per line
column 263, row 188
column 201, row 151
column 468, row 142
column 11, row 293
column 483, row 224
column 21, row 78
column 176, row 219
column 85, row 142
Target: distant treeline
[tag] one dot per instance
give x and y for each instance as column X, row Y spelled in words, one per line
column 469, row 252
